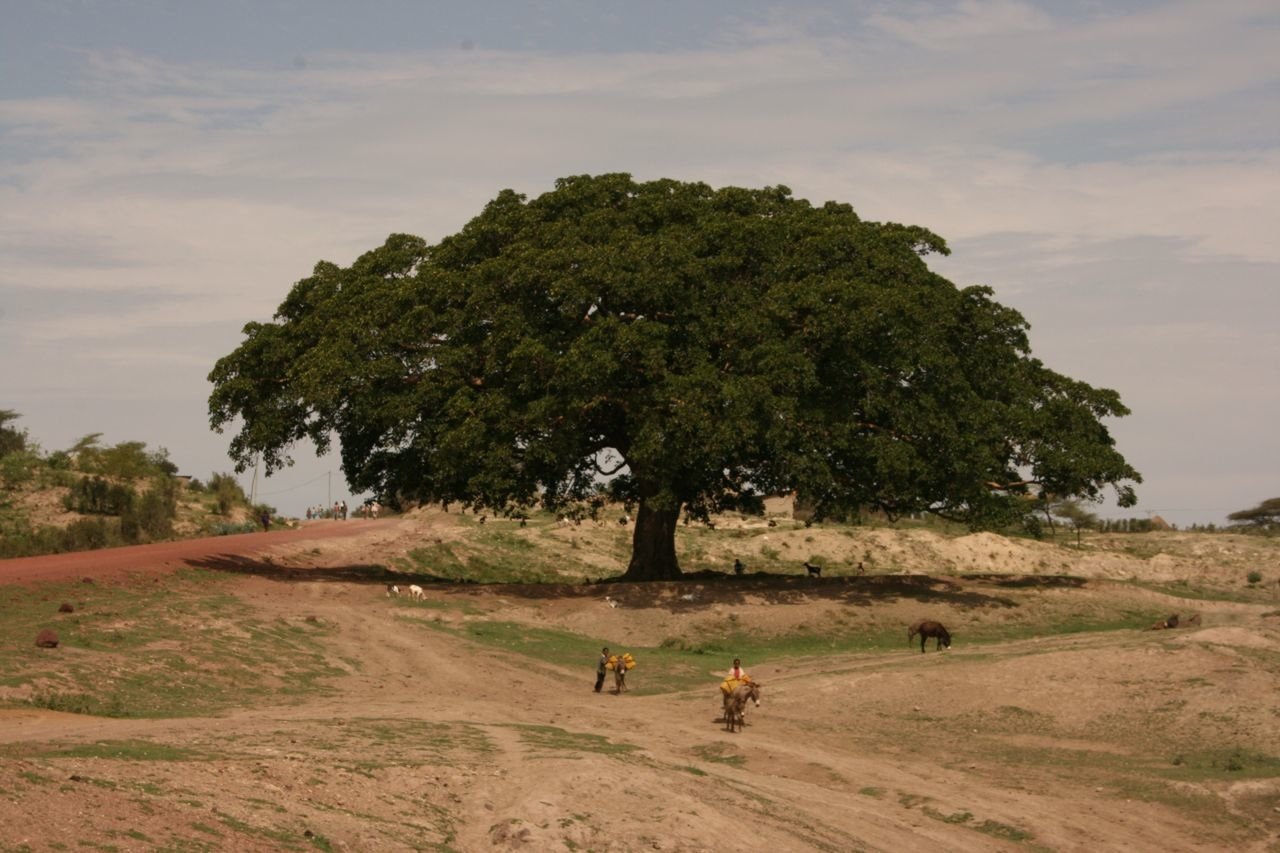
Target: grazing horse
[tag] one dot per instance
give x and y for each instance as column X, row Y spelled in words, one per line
column 735, row 704
column 926, row 629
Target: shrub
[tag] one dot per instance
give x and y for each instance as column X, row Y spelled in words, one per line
column 227, row 492
column 229, row 528
column 18, row 467
column 1254, row 577
column 128, row 460
column 158, row 507
column 97, row 496
column 89, row 534
column 59, row 460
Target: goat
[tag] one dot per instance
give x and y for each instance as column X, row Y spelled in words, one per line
column 392, row 590
column 735, row 704
column 738, row 567
column 814, row 571
column 926, row 629
column 416, row 593
column 1171, row 622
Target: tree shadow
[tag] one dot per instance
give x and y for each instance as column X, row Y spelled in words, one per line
column 376, row 574
column 705, row 589
column 359, row 573
column 694, row 593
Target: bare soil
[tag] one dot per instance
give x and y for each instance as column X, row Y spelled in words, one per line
column 1104, row 740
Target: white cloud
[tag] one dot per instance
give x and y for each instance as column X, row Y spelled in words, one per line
column 966, row 21
column 1060, row 157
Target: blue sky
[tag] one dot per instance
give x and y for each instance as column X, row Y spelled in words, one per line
column 1112, row 170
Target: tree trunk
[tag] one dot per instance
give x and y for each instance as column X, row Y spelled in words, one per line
column 653, row 547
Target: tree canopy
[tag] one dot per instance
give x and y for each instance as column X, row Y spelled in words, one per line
column 697, row 347
column 1264, row 515
column 11, row 440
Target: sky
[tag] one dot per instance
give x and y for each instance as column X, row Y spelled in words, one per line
column 168, row 170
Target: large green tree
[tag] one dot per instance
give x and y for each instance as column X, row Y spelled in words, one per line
column 699, row 347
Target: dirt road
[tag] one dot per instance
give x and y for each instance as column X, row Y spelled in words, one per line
column 165, row 556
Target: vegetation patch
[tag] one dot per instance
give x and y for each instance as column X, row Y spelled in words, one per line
column 123, row 750
column 1222, row 764
column 1004, row 831
column 501, row 552
column 720, row 753
column 177, row 646
column 555, row 739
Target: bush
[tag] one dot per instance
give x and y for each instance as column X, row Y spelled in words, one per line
column 89, row 534
column 229, row 528
column 1254, row 577
column 18, row 467
column 151, row 516
column 128, row 460
column 227, row 492
column 96, row 496
column 59, row 460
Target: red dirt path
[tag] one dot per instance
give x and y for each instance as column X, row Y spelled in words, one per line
column 167, row 556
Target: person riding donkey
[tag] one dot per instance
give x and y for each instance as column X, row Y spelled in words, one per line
column 737, row 677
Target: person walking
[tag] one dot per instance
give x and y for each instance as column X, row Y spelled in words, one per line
column 601, row 667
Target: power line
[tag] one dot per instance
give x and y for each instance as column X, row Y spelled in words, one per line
column 295, row 488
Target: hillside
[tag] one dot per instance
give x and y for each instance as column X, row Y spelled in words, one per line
column 281, row 699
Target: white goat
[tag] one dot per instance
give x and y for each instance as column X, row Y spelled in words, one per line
column 393, row 590
column 416, row 593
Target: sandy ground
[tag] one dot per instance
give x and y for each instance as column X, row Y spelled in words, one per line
column 1065, row 742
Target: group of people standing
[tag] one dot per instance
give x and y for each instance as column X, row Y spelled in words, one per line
column 338, row 511
column 371, row 509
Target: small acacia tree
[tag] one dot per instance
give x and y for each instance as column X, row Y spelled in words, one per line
column 11, row 440
column 700, row 347
column 1264, row 516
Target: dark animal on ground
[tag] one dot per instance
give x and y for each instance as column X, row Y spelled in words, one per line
column 738, row 568
column 735, row 704
column 1171, row 622
column 47, row 639
column 814, row 571
column 927, row 628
